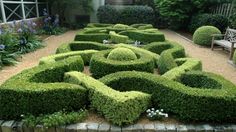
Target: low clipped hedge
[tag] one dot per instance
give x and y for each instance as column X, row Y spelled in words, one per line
column 81, row 45
column 168, row 51
column 153, row 55
column 120, row 108
column 86, row 56
column 203, row 35
column 96, row 37
column 40, row 90
column 93, row 25
column 184, row 65
column 142, row 26
column 101, row 66
column 187, row 103
column 122, row 54
column 144, row 36
column 117, row 38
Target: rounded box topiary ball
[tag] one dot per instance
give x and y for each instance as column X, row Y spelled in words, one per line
column 203, row 35
column 122, row 54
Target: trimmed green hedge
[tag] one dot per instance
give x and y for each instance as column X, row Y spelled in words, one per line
column 195, row 104
column 81, row 45
column 40, row 90
column 144, row 36
column 184, row 65
column 153, row 55
column 101, row 66
column 86, row 56
column 92, row 25
column 96, row 37
column 120, row 108
column 203, row 35
column 142, row 26
column 118, row 38
column 122, row 54
column 168, row 51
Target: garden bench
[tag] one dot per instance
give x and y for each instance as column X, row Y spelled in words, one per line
column 228, row 42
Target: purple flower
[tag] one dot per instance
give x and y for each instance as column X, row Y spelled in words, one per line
column 2, row 47
column 49, row 18
column 19, row 30
column 34, row 24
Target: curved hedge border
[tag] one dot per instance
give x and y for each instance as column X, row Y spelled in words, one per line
column 38, row 90
column 118, row 107
column 184, row 65
column 143, row 36
column 142, row 26
column 101, row 66
column 188, row 103
column 168, row 51
column 86, row 56
column 81, row 45
column 117, row 38
column 96, row 37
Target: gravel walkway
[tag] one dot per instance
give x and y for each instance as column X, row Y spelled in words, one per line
column 213, row 61
column 32, row 59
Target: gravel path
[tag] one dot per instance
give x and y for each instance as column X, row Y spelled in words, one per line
column 213, row 61
column 32, row 59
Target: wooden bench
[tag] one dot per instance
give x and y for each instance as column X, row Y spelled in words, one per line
column 228, row 42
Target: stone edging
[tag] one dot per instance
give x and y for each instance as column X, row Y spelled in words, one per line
column 12, row 126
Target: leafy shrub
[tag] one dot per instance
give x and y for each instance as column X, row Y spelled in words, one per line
column 56, row 119
column 101, row 66
column 122, row 54
column 117, row 38
column 116, row 106
column 125, row 14
column 85, row 54
column 168, row 51
column 96, row 37
column 203, row 35
column 198, row 79
column 232, row 20
column 81, row 45
column 40, row 90
column 219, row 21
column 144, row 36
column 184, row 65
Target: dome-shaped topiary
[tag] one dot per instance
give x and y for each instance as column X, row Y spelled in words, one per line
column 202, row 36
column 122, row 54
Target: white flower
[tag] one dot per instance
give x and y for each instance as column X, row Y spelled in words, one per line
column 166, row 115
column 157, row 111
column 152, row 109
column 162, row 110
column 148, row 111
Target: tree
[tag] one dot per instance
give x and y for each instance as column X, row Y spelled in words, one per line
column 62, row 5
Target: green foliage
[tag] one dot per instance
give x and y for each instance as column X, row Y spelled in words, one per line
column 85, row 54
column 142, row 26
column 40, row 90
column 219, row 21
column 144, row 36
column 203, row 35
column 94, row 25
column 81, row 45
column 120, row 108
column 118, row 38
column 125, row 14
column 55, row 119
column 184, row 65
column 168, row 51
column 122, row 54
column 197, row 79
column 7, row 58
column 101, row 66
column 96, row 37
column 178, row 12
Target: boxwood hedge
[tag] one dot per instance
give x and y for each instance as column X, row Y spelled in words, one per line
column 117, row 38
column 101, row 66
column 144, row 36
column 40, row 90
column 168, row 51
column 85, row 54
column 81, row 45
column 92, row 25
column 187, row 103
column 118, row 107
column 96, row 37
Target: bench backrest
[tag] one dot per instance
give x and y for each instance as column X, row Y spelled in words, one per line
column 230, row 35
